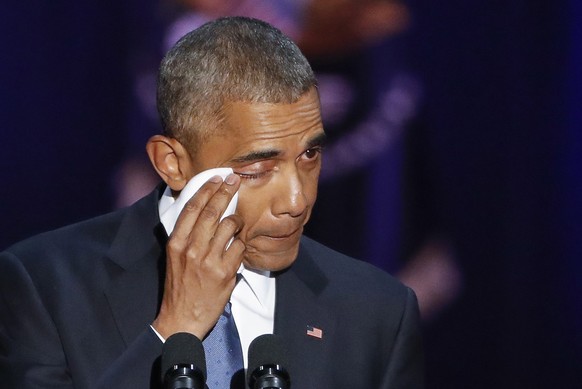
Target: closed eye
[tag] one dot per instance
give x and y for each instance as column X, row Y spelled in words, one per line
column 253, row 176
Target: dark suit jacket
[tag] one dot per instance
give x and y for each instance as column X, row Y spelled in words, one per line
column 76, row 305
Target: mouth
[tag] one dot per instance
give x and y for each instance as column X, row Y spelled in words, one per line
column 273, row 249
column 283, row 235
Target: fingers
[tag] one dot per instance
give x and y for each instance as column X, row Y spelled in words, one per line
column 233, row 255
column 225, row 232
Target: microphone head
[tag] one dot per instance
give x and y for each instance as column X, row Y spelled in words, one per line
column 183, row 349
column 267, row 361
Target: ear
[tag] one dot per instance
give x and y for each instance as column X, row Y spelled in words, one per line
column 171, row 161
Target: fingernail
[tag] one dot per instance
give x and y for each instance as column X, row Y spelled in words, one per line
column 215, row 179
column 231, row 179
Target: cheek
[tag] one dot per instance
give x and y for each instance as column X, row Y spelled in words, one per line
column 254, row 203
column 251, row 205
column 310, row 186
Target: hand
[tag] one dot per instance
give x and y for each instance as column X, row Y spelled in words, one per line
column 200, row 271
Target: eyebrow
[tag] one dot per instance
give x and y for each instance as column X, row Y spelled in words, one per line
column 257, row 156
column 260, row 155
column 318, row 140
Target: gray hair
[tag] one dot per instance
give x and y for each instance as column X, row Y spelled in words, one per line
column 233, row 59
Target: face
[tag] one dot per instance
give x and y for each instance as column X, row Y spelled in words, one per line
column 276, row 150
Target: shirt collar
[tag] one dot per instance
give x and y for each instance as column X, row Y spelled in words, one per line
column 261, row 283
column 163, row 206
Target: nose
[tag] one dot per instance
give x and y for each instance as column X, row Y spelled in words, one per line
column 289, row 197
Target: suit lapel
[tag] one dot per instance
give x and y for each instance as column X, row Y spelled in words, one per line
column 298, row 306
column 134, row 292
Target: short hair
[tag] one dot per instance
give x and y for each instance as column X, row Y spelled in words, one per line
column 232, row 59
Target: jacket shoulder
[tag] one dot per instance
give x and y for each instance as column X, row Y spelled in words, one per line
column 83, row 240
column 91, row 234
column 347, row 273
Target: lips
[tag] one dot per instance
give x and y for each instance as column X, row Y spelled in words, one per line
column 273, row 249
column 282, row 235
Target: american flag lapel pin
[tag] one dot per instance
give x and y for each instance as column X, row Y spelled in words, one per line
column 315, row 332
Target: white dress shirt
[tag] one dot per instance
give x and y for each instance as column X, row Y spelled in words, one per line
column 253, row 298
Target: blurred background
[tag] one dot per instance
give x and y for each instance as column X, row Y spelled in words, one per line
column 455, row 155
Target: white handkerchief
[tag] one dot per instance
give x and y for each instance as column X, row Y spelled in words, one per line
column 170, row 215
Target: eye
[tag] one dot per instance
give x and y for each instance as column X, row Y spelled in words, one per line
column 255, row 170
column 313, row 152
column 254, row 176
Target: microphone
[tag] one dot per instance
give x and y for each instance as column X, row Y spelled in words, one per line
column 183, row 362
column 267, row 358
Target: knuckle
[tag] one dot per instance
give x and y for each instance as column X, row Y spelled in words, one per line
column 192, row 252
column 194, row 205
column 213, row 271
column 230, row 223
column 173, row 245
column 209, row 212
column 224, row 191
column 237, row 245
column 221, row 273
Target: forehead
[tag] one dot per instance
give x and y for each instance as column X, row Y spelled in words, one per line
column 256, row 127
column 270, row 121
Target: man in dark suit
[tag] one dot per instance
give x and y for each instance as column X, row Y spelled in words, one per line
column 89, row 305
